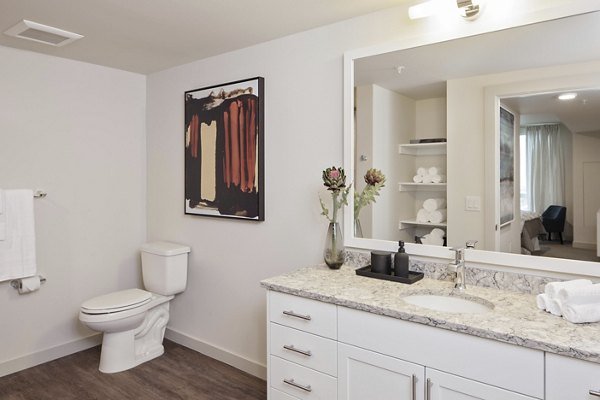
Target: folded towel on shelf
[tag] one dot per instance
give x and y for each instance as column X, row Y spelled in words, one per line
column 421, row 171
column 437, row 216
column 17, row 252
column 553, row 288
column 580, row 294
column 418, row 179
column 434, row 171
column 437, row 178
column 438, row 232
column 434, row 237
column 434, row 204
column 581, row 313
column 422, row 215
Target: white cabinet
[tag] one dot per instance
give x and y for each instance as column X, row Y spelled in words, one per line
column 443, row 386
column 365, row 375
column 571, row 379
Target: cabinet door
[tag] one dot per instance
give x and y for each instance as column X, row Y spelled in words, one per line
column 443, row 386
column 569, row 378
column 363, row 374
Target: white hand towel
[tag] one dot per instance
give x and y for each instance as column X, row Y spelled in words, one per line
column 554, row 306
column 421, row 171
column 434, row 171
column 17, row 252
column 580, row 294
column 422, row 215
column 432, row 239
column 581, row 313
column 434, row 204
column 438, row 232
column 2, row 216
column 437, row 178
column 552, row 288
column 418, row 179
column 541, row 300
column 437, row 216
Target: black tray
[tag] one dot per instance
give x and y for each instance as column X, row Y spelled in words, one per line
column 412, row 276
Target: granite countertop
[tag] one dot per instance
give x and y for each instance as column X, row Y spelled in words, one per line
column 514, row 319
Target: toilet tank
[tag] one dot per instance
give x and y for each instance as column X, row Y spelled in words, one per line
column 164, row 267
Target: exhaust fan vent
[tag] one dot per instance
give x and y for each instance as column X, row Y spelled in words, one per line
column 42, row 33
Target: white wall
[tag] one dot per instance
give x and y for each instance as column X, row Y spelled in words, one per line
column 364, row 147
column 224, row 306
column 586, row 191
column 77, row 131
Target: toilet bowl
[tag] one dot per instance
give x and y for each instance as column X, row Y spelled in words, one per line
column 133, row 321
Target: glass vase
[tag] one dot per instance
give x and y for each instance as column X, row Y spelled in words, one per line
column 357, row 229
column 334, row 246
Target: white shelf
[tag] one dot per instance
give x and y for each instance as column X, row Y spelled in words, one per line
column 405, row 224
column 423, row 149
column 422, row 187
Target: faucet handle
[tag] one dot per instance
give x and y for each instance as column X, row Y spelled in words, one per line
column 459, row 254
column 471, row 244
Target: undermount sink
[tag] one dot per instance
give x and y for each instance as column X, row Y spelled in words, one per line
column 452, row 304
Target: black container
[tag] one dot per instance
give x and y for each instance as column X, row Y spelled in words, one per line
column 412, row 276
column 381, row 262
column 401, row 261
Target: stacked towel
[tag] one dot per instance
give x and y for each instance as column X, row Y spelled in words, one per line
column 429, row 175
column 435, row 237
column 434, row 204
column 578, row 301
column 432, row 211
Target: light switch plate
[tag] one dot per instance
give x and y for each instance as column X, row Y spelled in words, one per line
column 472, row 203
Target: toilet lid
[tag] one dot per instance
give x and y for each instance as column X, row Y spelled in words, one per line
column 116, row 301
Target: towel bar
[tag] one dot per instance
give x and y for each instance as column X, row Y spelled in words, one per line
column 18, row 284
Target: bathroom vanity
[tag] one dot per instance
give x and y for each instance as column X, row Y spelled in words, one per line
column 336, row 335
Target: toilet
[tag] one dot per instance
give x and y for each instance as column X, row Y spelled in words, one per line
column 133, row 321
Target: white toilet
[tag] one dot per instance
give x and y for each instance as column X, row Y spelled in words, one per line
column 134, row 320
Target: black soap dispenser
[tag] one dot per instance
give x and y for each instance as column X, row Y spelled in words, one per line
column 401, row 261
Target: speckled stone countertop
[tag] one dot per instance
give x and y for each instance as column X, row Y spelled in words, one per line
column 514, row 318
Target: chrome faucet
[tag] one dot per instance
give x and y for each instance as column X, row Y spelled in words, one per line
column 459, row 266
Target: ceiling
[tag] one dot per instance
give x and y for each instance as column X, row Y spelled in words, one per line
column 563, row 41
column 146, row 36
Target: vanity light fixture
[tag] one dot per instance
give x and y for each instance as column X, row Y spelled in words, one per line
column 468, row 9
column 567, row 96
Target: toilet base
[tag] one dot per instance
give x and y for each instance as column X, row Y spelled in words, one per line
column 124, row 350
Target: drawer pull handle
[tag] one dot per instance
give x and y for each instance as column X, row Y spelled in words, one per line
column 291, row 382
column 414, row 387
column 293, row 314
column 595, row 393
column 291, row 347
column 428, row 389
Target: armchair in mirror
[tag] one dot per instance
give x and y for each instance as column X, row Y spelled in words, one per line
column 475, row 143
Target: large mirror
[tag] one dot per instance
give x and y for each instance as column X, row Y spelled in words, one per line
column 476, row 145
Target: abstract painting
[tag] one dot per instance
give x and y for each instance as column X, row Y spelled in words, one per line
column 507, row 166
column 224, row 146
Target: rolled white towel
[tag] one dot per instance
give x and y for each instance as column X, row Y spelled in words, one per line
column 427, row 178
column 541, row 300
column 434, row 204
column 434, row 171
column 552, row 288
column 438, row 232
column 437, row 216
column 421, row 171
column 554, row 306
column 422, row 215
column 418, row 179
column 580, row 294
column 437, row 178
column 432, row 239
column 581, row 313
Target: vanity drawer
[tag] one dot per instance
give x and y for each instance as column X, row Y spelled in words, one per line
column 304, row 348
column 275, row 394
column 569, row 378
column 305, row 314
column 301, row 382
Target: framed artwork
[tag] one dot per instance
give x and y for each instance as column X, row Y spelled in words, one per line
column 507, row 166
column 224, row 150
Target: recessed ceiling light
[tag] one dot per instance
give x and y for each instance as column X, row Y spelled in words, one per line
column 567, row 96
column 42, row 33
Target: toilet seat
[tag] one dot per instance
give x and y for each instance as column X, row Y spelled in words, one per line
column 116, row 302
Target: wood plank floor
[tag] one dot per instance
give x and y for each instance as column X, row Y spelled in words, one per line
column 180, row 373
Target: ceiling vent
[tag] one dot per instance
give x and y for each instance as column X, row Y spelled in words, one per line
column 42, row 33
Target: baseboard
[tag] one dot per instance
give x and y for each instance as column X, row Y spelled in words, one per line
column 235, row 360
column 584, row 245
column 31, row 360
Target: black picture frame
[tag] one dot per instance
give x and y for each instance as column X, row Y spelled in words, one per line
column 224, row 150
